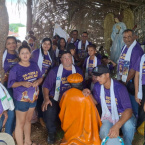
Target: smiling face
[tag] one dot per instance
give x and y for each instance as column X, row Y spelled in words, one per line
column 46, row 45
column 66, row 60
column 24, row 54
column 11, row 44
column 128, row 38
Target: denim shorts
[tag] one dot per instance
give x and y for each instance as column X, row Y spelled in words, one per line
column 24, row 106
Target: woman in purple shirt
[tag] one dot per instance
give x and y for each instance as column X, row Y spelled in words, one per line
column 24, row 78
column 10, row 58
column 44, row 57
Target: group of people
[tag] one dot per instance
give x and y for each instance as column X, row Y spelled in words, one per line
column 40, row 79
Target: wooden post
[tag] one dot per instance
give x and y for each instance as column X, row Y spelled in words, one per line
column 4, row 28
column 29, row 15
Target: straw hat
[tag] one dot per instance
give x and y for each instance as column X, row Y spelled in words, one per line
column 6, row 139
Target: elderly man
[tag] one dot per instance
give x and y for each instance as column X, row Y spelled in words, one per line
column 126, row 64
column 54, row 86
column 116, row 107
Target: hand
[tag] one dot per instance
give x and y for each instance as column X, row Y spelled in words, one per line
column 26, row 84
column 45, row 104
column 109, row 60
column 35, row 83
column 118, row 27
column 114, row 131
column 86, row 92
column 6, row 117
column 69, row 40
column 138, row 100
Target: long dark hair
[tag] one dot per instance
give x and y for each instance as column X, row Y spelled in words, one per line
column 59, row 43
column 50, row 50
column 11, row 37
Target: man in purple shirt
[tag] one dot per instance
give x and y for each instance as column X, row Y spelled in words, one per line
column 74, row 38
column 126, row 120
column 129, row 40
column 51, row 104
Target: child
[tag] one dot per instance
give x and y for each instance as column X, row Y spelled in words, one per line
column 72, row 49
column 90, row 62
column 24, row 78
column 109, row 63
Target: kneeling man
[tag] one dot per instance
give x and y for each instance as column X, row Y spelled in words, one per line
column 116, row 106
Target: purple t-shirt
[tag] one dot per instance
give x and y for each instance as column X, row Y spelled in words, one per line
column 46, row 65
column 110, row 66
column 121, row 96
column 136, row 53
column 82, row 53
column 50, row 81
column 137, row 68
column 10, row 61
column 90, row 65
column 29, row 74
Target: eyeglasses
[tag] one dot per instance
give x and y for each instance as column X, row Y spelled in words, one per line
column 85, row 36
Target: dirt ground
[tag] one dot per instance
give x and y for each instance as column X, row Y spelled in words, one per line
column 39, row 135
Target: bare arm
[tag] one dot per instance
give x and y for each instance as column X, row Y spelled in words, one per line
column 93, row 99
column 131, row 74
column 37, row 82
column 136, row 83
column 46, row 99
column 113, row 63
column 114, row 131
column 87, row 92
column 24, row 84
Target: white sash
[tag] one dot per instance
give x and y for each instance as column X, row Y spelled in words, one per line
column 127, row 58
column 57, row 52
column 58, row 80
column 4, row 57
column 106, row 114
column 6, row 99
column 87, row 65
column 140, row 77
column 80, row 44
column 40, row 59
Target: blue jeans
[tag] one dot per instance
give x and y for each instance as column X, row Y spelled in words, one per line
column 128, row 130
column 10, row 124
column 50, row 116
column 1, row 122
column 134, row 105
column 39, row 103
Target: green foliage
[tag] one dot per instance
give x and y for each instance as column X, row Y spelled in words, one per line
column 14, row 27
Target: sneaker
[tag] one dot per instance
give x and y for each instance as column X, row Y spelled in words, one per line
column 51, row 138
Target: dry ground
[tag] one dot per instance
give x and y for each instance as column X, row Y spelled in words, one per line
column 39, row 134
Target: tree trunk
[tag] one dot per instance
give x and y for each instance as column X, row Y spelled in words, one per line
column 4, row 28
column 29, row 15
